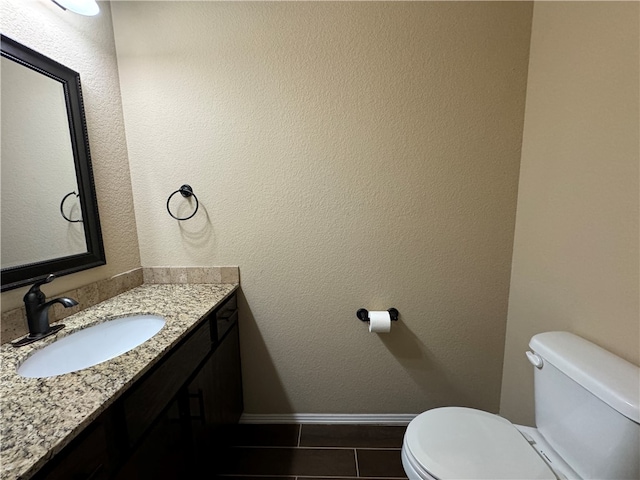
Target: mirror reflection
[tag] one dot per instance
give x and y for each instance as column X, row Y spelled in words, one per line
column 38, row 170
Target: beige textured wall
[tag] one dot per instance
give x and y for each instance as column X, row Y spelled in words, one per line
column 575, row 260
column 86, row 45
column 345, row 155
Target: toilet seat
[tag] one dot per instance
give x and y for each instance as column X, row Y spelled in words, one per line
column 464, row 443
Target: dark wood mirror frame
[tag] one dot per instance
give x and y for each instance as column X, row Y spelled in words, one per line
column 14, row 277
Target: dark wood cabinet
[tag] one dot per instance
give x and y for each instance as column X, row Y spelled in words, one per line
column 87, row 457
column 205, row 406
column 229, row 377
column 225, row 317
column 146, row 400
column 169, row 418
column 164, row 454
column 215, row 394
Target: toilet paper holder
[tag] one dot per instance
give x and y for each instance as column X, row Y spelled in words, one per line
column 363, row 314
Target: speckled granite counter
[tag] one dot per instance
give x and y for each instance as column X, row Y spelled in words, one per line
column 38, row 417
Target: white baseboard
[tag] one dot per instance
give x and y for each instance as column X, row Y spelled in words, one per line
column 331, row 418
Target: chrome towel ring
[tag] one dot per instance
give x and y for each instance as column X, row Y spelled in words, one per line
column 186, row 191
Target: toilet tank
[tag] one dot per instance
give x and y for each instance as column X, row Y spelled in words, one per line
column 587, row 406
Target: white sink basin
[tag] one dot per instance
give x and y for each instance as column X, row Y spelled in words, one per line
column 91, row 346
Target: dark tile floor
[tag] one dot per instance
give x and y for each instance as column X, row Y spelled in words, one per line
column 312, row 452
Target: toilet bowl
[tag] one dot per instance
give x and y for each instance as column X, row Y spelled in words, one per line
column 463, row 443
column 587, row 404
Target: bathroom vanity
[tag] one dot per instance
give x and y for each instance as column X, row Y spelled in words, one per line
column 149, row 413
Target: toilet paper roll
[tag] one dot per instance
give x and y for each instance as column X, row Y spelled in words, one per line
column 379, row 321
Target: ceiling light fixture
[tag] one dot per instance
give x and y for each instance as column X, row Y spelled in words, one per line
column 83, row 7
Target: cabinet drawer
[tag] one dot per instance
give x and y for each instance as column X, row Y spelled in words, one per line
column 226, row 316
column 143, row 405
column 225, row 323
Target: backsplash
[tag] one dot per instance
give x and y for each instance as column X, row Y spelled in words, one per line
column 191, row 275
column 14, row 324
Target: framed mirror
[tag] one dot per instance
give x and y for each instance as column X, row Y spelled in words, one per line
column 50, row 221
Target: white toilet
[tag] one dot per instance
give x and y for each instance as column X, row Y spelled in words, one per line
column 587, row 418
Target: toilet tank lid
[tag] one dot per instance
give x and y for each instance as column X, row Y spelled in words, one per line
column 609, row 377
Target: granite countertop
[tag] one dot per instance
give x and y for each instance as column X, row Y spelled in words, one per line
column 38, row 417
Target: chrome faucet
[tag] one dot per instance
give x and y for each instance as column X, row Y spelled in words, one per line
column 38, row 313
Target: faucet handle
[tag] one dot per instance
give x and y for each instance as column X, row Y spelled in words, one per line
column 35, row 288
column 48, row 279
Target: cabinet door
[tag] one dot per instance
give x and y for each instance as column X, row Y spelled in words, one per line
column 165, row 453
column 215, row 394
column 229, row 377
column 146, row 401
column 86, row 458
column 204, row 403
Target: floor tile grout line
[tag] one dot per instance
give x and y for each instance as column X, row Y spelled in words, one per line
column 296, row 445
